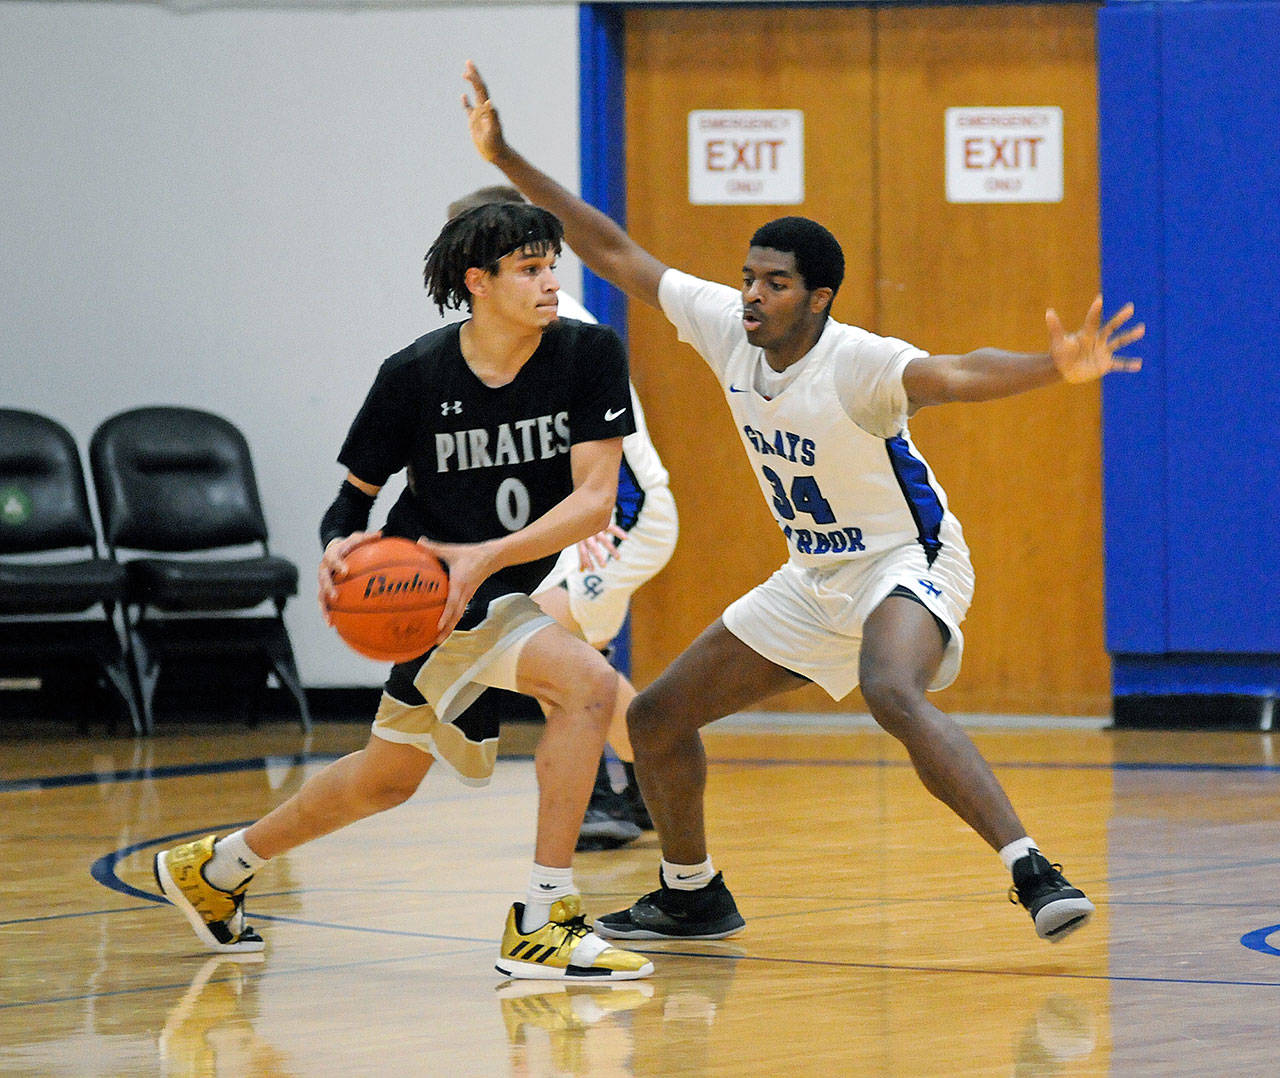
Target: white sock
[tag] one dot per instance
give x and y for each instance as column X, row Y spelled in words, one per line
column 232, row 863
column 1016, row 849
column 687, row 877
column 546, row 885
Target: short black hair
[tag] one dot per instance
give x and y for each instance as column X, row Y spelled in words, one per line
column 482, row 237
column 819, row 258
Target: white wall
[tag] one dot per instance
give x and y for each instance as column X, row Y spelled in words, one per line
column 229, row 209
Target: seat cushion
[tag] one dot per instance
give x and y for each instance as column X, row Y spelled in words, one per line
column 59, row 587
column 235, row 584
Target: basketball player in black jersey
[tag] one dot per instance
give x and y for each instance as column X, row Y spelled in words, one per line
column 509, row 426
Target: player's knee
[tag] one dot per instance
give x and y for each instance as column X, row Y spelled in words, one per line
column 393, row 794
column 601, row 693
column 587, row 690
column 382, row 790
column 645, row 726
column 892, row 701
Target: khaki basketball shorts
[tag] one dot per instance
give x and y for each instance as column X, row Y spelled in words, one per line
column 424, row 700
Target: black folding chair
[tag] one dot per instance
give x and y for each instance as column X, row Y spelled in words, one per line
column 180, row 481
column 57, row 605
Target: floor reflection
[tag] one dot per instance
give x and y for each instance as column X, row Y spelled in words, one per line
column 211, row 1029
column 554, row 1028
column 1062, row 1033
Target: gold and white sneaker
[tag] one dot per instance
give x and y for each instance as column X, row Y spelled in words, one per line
column 217, row 916
column 564, row 947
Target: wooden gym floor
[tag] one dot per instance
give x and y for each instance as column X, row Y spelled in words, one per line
column 879, row 938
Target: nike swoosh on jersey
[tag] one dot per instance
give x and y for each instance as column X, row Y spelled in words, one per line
column 735, row 389
column 611, row 414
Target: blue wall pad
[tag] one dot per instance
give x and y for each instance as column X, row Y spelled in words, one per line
column 1189, row 108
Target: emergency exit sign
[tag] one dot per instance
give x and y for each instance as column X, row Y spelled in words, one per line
column 1004, row 154
column 746, row 156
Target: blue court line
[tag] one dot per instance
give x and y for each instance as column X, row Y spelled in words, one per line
column 262, row 763
column 169, row 771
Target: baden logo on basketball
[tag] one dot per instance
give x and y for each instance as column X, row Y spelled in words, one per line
column 387, row 606
column 380, row 584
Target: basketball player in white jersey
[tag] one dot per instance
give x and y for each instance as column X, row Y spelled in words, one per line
column 589, row 590
column 878, row 577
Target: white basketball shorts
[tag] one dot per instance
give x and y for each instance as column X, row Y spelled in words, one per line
column 810, row 620
column 599, row 598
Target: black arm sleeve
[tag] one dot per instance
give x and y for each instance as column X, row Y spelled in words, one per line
column 349, row 513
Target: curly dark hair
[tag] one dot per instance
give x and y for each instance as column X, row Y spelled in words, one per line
column 818, row 255
column 482, row 237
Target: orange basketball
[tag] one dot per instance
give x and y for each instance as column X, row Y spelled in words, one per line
column 389, row 603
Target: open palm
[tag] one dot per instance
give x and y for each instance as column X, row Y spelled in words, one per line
column 1090, row 352
column 482, row 117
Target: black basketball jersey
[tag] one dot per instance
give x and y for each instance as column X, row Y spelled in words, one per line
column 484, row 462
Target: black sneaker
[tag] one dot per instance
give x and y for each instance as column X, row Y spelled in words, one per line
column 708, row 913
column 1056, row 907
column 606, row 825
column 639, row 810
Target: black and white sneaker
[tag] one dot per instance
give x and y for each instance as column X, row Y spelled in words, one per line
column 637, row 809
column 635, row 800
column 605, row 827
column 708, row 913
column 607, row 823
column 1056, row 907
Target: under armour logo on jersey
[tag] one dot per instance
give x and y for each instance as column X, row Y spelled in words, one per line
column 929, row 586
column 593, row 584
column 450, row 407
column 613, row 414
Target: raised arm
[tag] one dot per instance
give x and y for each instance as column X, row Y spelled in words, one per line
column 594, row 237
column 988, row 373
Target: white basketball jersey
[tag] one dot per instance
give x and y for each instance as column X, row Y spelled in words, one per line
column 638, row 454
column 842, row 484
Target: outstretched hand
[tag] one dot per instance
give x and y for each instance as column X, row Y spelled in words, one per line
column 1090, row 352
column 482, row 117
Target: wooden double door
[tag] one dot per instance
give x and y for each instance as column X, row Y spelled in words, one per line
column 1023, row 475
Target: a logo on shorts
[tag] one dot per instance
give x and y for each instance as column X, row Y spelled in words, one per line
column 594, row 585
column 929, row 586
